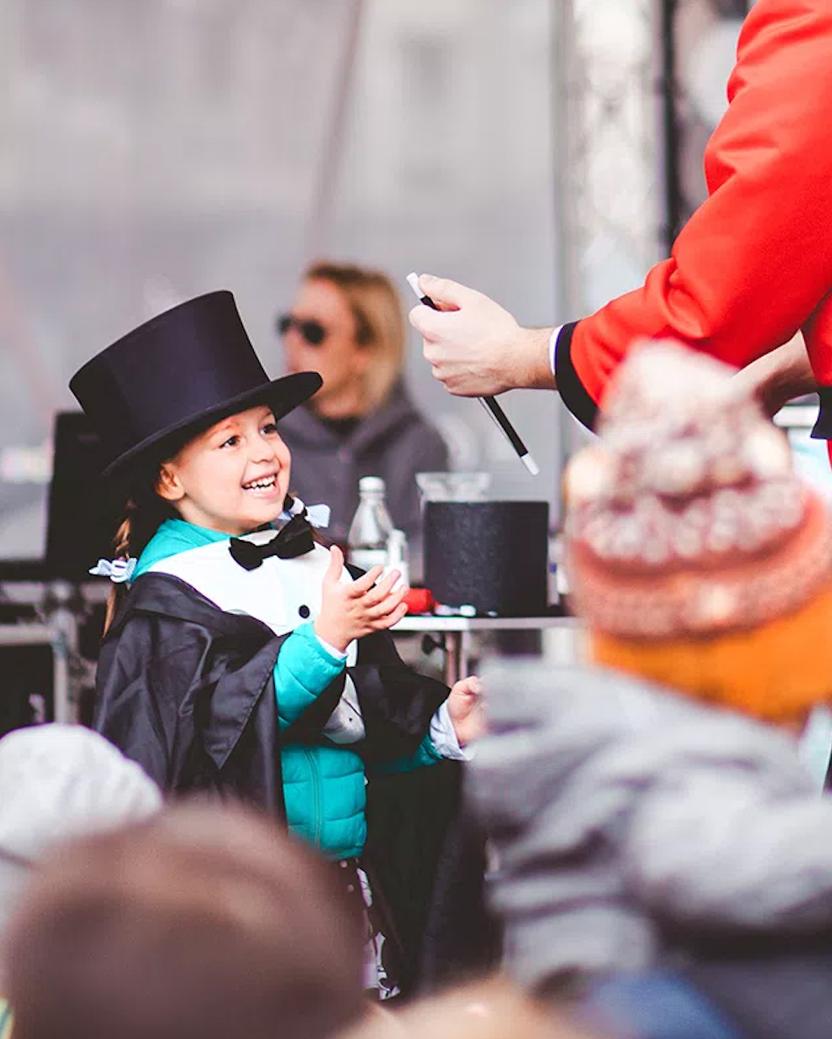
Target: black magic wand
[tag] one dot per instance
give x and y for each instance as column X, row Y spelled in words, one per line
column 489, row 403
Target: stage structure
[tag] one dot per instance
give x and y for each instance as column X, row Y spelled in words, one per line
column 698, row 40
column 608, row 161
column 639, row 88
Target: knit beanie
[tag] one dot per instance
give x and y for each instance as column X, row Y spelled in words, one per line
column 695, row 554
column 57, row 782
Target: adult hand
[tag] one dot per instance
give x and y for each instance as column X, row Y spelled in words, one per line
column 780, row 376
column 474, row 346
column 351, row 611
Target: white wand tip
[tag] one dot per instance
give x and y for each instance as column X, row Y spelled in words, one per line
column 530, row 464
column 413, row 282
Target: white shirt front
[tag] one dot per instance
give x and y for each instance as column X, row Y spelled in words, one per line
column 282, row 593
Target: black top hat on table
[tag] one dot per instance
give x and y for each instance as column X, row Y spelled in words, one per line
column 176, row 375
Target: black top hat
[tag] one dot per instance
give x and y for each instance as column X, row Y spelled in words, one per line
column 177, row 374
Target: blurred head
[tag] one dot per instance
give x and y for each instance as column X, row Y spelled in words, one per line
column 60, row 781
column 494, row 1010
column 696, row 555
column 346, row 323
column 204, row 923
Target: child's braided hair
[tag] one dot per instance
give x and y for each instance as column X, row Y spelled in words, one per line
column 143, row 511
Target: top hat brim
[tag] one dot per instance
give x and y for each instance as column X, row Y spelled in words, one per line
column 283, row 395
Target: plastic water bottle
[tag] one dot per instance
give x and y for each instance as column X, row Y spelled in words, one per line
column 397, row 558
column 371, row 526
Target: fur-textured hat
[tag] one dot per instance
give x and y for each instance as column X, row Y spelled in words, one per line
column 695, row 553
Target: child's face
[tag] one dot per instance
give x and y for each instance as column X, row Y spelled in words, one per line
column 231, row 478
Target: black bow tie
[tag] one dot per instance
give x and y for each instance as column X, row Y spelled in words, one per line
column 292, row 540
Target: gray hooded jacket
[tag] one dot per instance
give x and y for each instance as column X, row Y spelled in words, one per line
column 394, row 442
column 621, row 813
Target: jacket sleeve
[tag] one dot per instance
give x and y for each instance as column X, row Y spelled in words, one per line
column 754, row 262
column 714, row 850
column 397, row 705
column 426, row 755
column 303, row 671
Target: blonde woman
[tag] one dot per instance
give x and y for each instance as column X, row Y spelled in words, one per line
column 347, row 324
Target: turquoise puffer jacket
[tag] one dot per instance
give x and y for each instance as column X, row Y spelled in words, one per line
column 324, row 791
column 324, row 786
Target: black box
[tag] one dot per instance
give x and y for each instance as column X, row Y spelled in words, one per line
column 492, row 555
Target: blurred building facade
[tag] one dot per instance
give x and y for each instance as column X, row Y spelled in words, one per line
column 704, row 37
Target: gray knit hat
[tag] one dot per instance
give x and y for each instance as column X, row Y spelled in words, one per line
column 57, row 782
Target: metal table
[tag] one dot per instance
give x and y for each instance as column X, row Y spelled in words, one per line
column 458, row 632
column 62, row 607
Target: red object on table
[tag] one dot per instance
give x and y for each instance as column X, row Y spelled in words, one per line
column 419, row 600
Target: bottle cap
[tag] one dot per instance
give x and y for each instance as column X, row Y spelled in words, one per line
column 371, row 483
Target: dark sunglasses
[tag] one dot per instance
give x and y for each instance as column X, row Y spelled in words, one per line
column 313, row 332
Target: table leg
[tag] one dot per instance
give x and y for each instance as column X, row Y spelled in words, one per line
column 465, row 641
column 63, row 620
column 457, row 656
column 61, row 681
column 453, row 657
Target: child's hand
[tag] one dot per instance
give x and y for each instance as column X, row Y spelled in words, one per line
column 466, row 710
column 350, row 611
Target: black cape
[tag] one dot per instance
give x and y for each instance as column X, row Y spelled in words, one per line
column 187, row 691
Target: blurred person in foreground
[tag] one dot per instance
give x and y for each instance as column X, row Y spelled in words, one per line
column 652, row 810
column 347, row 324
column 204, row 923
column 492, row 1009
column 751, row 267
column 58, row 781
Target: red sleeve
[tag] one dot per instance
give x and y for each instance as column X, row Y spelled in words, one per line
column 755, row 260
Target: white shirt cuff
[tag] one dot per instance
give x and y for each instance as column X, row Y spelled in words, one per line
column 553, row 346
column 333, row 652
column 443, row 736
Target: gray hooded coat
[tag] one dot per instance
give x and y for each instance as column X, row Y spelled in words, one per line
column 394, row 442
column 622, row 814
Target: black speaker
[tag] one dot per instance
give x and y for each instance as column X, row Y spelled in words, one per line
column 82, row 514
column 492, row 555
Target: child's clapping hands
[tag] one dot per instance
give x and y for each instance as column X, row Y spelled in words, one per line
column 351, row 611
